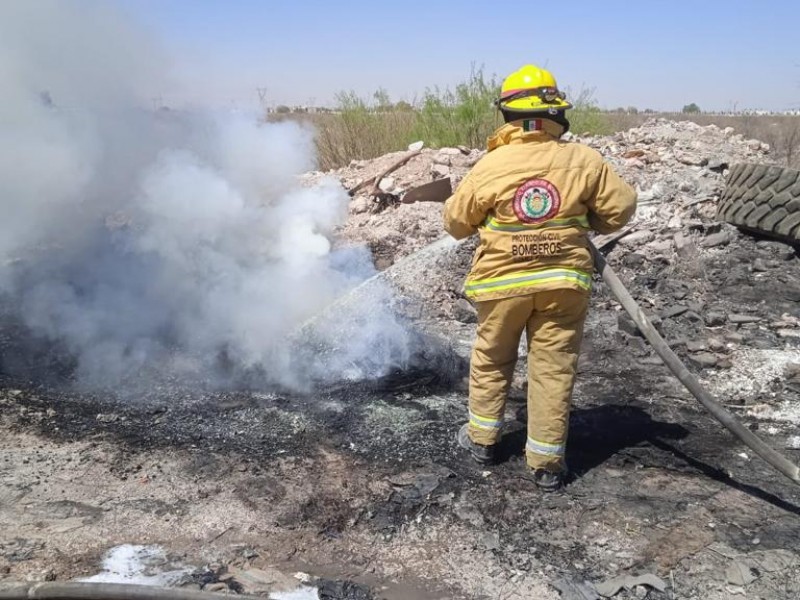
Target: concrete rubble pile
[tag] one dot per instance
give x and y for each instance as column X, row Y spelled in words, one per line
column 700, row 279
column 671, row 164
column 677, row 168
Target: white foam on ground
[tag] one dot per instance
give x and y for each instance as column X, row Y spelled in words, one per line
column 303, row 593
column 138, row 565
column 145, row 565
column 752, row 373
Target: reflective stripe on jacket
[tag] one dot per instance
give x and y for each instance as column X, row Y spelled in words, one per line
column 532, row 199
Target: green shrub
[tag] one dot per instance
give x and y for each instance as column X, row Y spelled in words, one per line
column 585, row 116
column 465, row 116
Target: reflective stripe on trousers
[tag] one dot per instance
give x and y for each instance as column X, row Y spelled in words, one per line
column 528, row 279
column 544, row 448
column 484, row 422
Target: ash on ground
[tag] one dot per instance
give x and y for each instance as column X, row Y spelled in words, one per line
column 361, row 484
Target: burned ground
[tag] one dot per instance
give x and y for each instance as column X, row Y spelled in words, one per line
column 364, row 481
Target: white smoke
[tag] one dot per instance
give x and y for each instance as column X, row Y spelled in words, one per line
column 160, row 241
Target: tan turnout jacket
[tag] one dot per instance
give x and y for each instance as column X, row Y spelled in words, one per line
column 532, row 199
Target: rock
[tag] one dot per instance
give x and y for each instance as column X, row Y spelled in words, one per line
column 652, row 360
column 342, row 590
column 652, row 194
column 740, row 319
column 788, row 333
column 469, row 513
column 611, row 587
column 263, row 581
column 660, row 246
column 626, row 324
column 107, row 418
column 633, row 260
column 452, row 151
column 442, row 159
column 416, row 146
column 759, row 265
column 386, row 184
column 714, row 319
column 575, row 590
column 704, row 359
column 716, row 239
column 693, row 316
column 691, row 159
column 636, row 238
column 674, row 311
column 734, row 337
column 635, row 153
column 716, row 345
column 490, row 540
column 440, row 171
column 216, row 587
column 675, row 222
column 741, row 572
column 696, row 345
column 464, row 311
column 717, row 164
column 360, row 204
column 683, row 244
column 770, row 245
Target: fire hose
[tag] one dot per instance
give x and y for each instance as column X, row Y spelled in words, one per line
column 74, row 590
column 770, row 455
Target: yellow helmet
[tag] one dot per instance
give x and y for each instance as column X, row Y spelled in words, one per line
column 531, row 89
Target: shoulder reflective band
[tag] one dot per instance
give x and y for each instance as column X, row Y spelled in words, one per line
column 528, row 278
column 494, row 225
column 484, row 422
column 545, row 448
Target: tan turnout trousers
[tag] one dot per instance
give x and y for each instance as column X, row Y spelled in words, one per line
column 553, row 322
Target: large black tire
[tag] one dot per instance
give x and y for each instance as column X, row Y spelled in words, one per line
column 763, row 199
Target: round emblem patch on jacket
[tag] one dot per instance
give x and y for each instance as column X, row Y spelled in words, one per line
column 536, row 200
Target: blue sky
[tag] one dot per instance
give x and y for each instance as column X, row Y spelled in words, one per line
column 661, row 55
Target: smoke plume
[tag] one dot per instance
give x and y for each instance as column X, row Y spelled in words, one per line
column 147, row 242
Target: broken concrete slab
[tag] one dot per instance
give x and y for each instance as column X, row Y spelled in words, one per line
column 741, row 572
column 716, row 240
column 741, row 319
column 611, row 587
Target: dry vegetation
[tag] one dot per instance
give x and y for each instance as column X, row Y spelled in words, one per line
column 359, row 128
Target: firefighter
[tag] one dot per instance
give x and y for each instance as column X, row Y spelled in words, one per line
column 532, row 200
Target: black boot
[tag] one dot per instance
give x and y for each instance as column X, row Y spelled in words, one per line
column 549, row 481
column 483, row 455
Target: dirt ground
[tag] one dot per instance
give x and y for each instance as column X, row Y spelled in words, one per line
column 364, row 483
